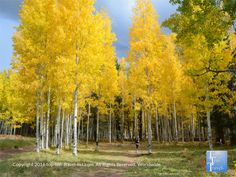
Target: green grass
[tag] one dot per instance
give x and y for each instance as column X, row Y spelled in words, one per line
column 15, row 143
column 186, row 159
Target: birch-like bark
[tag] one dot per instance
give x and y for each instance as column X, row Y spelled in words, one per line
column 58, row 129
column 209, row 130
column 176, row 127
column 67, row 130
column 110, row 125
column 82, row 128
column 37, row 123
column 149, row 132
column 157, row 127
column 48, row 118
column 75, row 120
column 123, row 121
column 208, row 114
column 143, row 125
column 62, row 128
column 41, row 129
column 193, row 128
column 97, row 131
column 87, row 138
column 135, row 120
column 182, row 125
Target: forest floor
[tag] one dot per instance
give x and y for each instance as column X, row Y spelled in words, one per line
column 17, row 158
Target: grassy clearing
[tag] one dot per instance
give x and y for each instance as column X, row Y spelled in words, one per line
column 15, row 142
column 166, row 160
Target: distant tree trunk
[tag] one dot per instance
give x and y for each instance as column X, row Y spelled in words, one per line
column 88, row 125
column 193, row 128
column 75, row 101
column 58, row 129
column 209, row 120
column 37, row 123
column 149, row 132
column 143, row 125
column 80, row 113
column 97, row 131
column 182, row 125
column 70, row 131
column 41, row 129
column 199, row 128
column 176, row 127
column 209, row 130
column 82, row 128
column 123, row 121
column 110, row 125
column 67, row 131
column 135, row 120
column 75, row 120
column 48, row 118
column 157, row 127
column 62, row 127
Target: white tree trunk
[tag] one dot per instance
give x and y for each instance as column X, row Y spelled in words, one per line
column 67, row 130
column 123, row 121
column 58, row 129
column 135, row 120
column 37, row 123
column 97, row 131
column 41, row 129
column 62, row 128
column 157, row 127
column 88, row 125
column 176, row 127
column 149, row 132
column 75, row 120
column 209, row 130
column 208, row 114
column 110, row 125
column 182, row 125
column 193, row 128
column 48, row 118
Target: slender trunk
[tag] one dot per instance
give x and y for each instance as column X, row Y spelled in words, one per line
column 193, row 128
column 82, row 128
column 199, row 129
column 157, row 127
column 97, row 131
column 41, row 129
column 48, row 118
column 209, row 130
column 135, row 120
column 208, row 114
column 79, row 126
column 123, row 122
column 67, row 130
column 14, row 131
column 175, row 118
column 62, row 127
column 70, row 131
column 143, row 125
column 75, row 120
column 88, row 124
column 149, row 132
column 182, row 125
column 58, row 129
column 110, row 125
column 37, row 123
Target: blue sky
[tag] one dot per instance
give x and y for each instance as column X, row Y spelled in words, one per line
column 120, row 12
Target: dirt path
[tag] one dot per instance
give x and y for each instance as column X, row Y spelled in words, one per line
column 4, row 154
